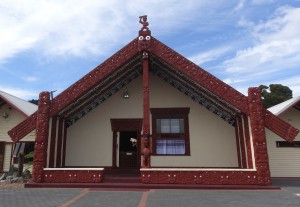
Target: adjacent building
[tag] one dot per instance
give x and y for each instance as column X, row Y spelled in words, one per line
column 284, row 157
column 13, row 110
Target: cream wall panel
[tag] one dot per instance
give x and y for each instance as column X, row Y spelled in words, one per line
column 212, row 140
column 7, row 157
column 89, row 140
column 284, row 162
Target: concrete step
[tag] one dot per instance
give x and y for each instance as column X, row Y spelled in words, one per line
column 121, row 179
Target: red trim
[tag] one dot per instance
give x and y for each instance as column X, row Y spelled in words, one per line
column 259, row 136
column 73, row 176
column 200, row 76
column 200, row 177
column 59, row 143
column 23, row 128
column 242, row 142
column 279, row 127
column 118, row 125
column 91, row 79
column 146, row 116
column 238, row 149
column 64, row 146
column 114, row 150
column 52, row 142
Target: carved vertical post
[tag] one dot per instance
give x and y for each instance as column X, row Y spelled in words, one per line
column 146, row 115
column 257, row 119
column 144, row 42
column 41, row 140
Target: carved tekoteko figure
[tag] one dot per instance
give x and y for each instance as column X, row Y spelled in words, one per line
column 144, row 38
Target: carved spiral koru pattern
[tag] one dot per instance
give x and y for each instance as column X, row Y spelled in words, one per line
column 199, row 75
column 200, row 177
column 42, row 131
column 256, row 113
column 73, row 176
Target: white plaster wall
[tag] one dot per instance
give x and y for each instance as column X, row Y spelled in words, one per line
column 284, row 162
column 212, row 140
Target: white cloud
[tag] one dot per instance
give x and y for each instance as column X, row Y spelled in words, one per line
column 30, row 78
column 20, row 93
column 293, row 83
column 260, row 2
column 209, row 55
column 231, row 80
column 83, row 28
column 277, row 45
column 240, row 5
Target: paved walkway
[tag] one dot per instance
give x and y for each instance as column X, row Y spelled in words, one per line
column 289, row 195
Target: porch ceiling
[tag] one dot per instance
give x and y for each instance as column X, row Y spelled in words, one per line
column 131, row 70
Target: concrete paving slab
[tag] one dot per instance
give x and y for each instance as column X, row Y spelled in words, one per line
column 288, row 196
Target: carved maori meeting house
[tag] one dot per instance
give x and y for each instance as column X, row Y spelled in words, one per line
column 149, row 110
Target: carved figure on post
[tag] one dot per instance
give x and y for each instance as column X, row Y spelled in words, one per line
column 144, row 38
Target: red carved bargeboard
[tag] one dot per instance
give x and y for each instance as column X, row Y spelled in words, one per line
column 23, row 128
column 172, row 58
column 73, row 176
column 200, row 177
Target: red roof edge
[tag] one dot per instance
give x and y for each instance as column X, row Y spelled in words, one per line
column 280, row 127
column 200, row 76
column 79, row 88
column 221, row 89
column 91, row 79
column 23, row 128
column 183, row 65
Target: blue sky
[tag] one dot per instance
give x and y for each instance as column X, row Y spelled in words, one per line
column 49, row 45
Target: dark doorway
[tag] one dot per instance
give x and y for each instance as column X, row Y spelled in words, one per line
column 128, row 149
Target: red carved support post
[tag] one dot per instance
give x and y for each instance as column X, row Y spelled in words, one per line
column 144, row 41
column 257, row 119
column 41, row 140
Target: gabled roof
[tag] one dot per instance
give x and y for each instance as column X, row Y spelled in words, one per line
column 24, row 107
column 125, row 65
column 286, row 105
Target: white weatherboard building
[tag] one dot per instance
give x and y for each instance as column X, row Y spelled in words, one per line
column 13, row 110
column 284, row 157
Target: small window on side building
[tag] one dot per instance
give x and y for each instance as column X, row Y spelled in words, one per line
column 285, row 144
